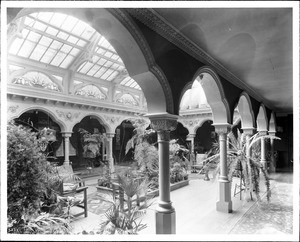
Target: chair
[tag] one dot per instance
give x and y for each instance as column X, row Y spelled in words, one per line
column 73, row 186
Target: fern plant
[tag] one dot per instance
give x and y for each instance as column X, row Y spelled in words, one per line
column 126, row 220
column 237, row 160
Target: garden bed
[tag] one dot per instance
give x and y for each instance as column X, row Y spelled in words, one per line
column 154, row 193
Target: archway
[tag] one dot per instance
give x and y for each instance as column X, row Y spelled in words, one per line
column 78, row 156
column 39, row 120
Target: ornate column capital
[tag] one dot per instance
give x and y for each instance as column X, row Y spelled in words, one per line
column 163, row 121
column 110, row 135
column 273, row 133
column 263, row 132
column 248, row 130
column 66, row 134
column 222, row 128
column 190, row 136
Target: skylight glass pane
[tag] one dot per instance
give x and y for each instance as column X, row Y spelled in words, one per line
column 52, row 31
column 101, row 51
column 66, row 48
column 114, row 57
column 108, row 54
column 38, row 52
column 101, row 62
column 40, row 26
column 34, row 37
column 88, row 32
column 95, row 58
column 115, row 66
column 100, row 72
column 26, row 49
column 112, row 76
column 81, row 43
column 86, row 67
column 93, row 70
column 29, row 21
column 67, row 61
column 48, row 56
column 58, row 19
column 62, row 35
column 105, row 43
column 80, row 27
column 69, row 23
column 72, row 39
column 14, row 48
column 74, row 51
column 58, row 59
column 45, row 41
column 129, row 82
column 106, row 74
column 56, row 45
column 108, row 64
column 59, row 78
column 45, row 16
column 25, row 32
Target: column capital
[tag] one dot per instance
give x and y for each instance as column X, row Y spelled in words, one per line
column 66, row 134
column 222, row 128
column 163, row 121
column 110, row 135
column 190, row 136
column 248, row 130
column 273, row 133
column 263, row 132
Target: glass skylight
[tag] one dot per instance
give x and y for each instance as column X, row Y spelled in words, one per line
column 60, row 40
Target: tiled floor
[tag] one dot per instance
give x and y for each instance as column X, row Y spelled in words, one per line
column 196, row 213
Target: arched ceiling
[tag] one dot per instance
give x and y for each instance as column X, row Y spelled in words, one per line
column 255, row 44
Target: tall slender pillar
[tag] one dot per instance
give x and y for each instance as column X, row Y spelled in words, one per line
column 272, row 161
column 66, row 136
column 165, row 213
column 191, row 138
column 103, row 150
column 110, row 157
column 224, row 203
column 263, row 150
column 248, row 132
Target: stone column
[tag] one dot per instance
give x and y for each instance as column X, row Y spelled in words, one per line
column 103, row 150
column 263, row 150
column 272, row 162
column 110, row 157
column 165, row 213
column 66, row 136
column 191, row 138
column 224, row 203
column 248, row 132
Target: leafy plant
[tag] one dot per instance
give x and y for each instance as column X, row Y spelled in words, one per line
column 237, row 160
column 126, row 219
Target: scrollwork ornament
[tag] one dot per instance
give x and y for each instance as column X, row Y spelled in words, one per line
column 13, row 109
column 68, row 116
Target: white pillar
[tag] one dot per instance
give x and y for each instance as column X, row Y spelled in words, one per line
column 248, row 132
column 263, row 150
column 110, row 157
column 224, row 203
column 165, row 213
column 191, row 138
column 272, row 162
column 66, row 136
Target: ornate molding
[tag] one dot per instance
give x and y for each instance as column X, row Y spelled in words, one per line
column 191, row 122
column 12, row 108
column 158, row 24
column 112, row 120
column 68, row 116
column 163, row 124
column 222, row 129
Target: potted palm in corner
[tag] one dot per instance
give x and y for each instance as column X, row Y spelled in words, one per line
column 247, row 169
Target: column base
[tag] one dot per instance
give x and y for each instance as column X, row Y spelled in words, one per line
column 224, row 204
column 165, row 222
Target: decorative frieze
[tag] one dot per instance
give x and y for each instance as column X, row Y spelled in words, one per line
column 112, row 120
column 68, row 116
column 12, row 108
column 163, row 124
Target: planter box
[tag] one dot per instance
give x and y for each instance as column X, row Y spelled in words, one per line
column 173, row 187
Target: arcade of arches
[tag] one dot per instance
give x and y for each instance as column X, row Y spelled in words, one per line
column 72, row 69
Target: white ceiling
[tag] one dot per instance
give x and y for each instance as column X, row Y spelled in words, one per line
column 255, row 44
